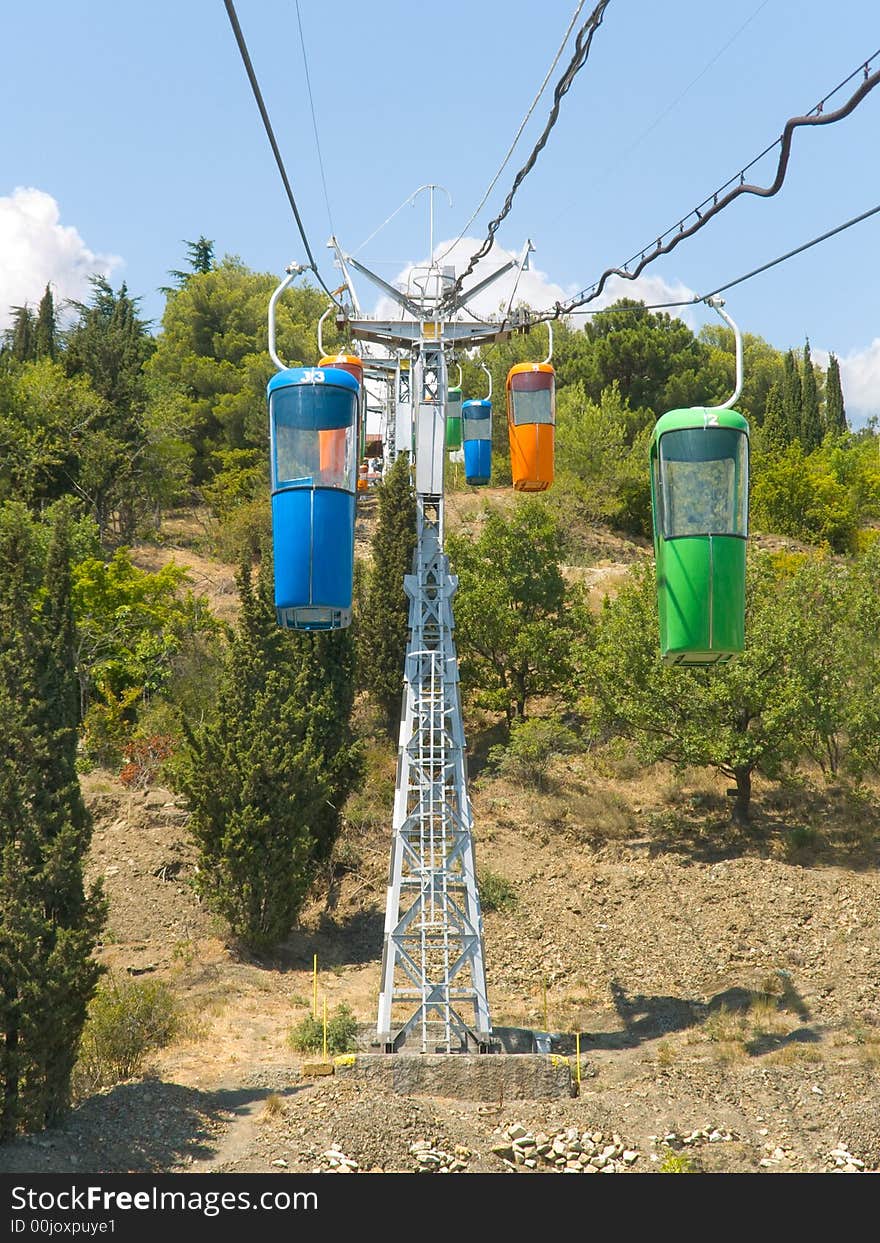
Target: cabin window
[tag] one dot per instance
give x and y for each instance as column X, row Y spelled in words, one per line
column 477, row 426
column 314, row 436
column 537, row 406
column 703, row 482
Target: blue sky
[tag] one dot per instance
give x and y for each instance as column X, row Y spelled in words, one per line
column 133, row 127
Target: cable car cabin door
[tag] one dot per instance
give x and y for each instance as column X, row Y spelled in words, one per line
column 699, row 492
column 313, row 428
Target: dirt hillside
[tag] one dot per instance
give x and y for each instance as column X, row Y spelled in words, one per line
column 724, row 983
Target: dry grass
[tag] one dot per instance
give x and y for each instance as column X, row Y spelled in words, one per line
column 795, row 1054
column 273, row 1106
column 665, row 1054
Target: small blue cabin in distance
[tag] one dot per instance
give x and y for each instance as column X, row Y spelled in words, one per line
column 476, row 435
column 313, row 443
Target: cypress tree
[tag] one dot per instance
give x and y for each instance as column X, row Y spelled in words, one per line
column 811, row 422
column 323, row 665
column 45, row 327
column 48, row 924
column 328, row 685
column 382, row 632
column 775, row 426
column 835, row 414
column 791, row 397
column 20, row 337
column 255, row 782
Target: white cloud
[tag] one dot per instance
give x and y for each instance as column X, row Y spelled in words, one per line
column 859, row 380
column 535, row 287
column 653, row 291
column 36, row 250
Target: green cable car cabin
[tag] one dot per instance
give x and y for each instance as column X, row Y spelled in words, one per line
column 700, row 501
column 453, row 418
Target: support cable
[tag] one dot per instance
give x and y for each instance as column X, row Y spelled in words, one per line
column 302, row 44
column 663, row 306
column 583, row 42
column 718, row 200
column 270, row 134
column 517, row 135
column 680, row 96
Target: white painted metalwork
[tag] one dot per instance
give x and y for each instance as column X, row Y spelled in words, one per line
column 433, row 992
column 718, row 304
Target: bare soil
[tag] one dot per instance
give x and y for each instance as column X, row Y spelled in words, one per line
column 723, row 981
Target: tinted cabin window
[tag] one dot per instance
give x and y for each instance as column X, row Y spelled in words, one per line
column 532, row 407
column 314, row 436
column 476, row 425
column 704, row 482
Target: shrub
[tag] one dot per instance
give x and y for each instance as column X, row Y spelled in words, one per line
column 144, row 758
column 308, row 1035
column 533, row 744
column 676, row 1163
column 496, row 893
column 127, row 1020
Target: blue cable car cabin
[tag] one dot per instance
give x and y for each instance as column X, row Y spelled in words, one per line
column 476, row 434
column 313, row 442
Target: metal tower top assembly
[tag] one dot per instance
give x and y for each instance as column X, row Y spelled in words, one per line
column 433, row 990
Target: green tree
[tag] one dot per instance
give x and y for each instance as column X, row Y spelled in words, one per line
column 775, row 425
column 655, row 359
column 200, row 255
column 256, row 782
column 792, row 399
column 48, row 424
column 110, row 344
column 132, row 627
column 599, row 475
column 384, row 626
column 811, row 422
column 835, row 414
column 20, row 338
column 46, row 327
column 749, row 715
column 212, row 353
column 515, row 616
column 48, row 924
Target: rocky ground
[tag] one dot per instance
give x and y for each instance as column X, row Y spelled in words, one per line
column 725, row 986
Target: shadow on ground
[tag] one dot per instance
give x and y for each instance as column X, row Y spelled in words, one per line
column 647, row 1018
column 144, row 1127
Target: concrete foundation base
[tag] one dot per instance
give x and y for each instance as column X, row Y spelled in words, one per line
column 463, row 1076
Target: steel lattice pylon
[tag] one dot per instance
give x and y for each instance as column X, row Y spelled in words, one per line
column 432, row 963
column 433, row 991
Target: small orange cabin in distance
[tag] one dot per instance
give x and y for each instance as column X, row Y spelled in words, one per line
column 332, row 445
column 345, row 362
column 531, row 421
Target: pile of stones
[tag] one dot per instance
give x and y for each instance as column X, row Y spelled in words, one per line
column 432, row 1159
column 705, row 1135
column 567, row 1151
column 338, row 1162
column 845, row 1162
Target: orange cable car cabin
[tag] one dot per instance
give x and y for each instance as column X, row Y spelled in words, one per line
column 531, row 422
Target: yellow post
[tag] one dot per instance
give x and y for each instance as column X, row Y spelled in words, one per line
column 315, row 989
column 325, row 1029
column 577, row 1043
